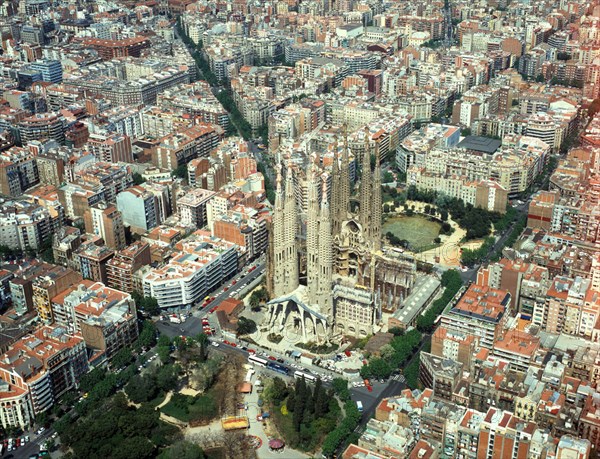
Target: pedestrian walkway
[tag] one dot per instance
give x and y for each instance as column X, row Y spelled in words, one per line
column 399, row 378
column 165, row 401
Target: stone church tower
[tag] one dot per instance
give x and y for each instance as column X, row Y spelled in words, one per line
column 340, row 244
column 285, row 228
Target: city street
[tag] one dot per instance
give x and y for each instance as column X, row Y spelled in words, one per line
column 193, row 325
column 32, row 447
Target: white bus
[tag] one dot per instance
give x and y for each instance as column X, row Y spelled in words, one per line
column 257, row 360
column 307, row 376
column 359, row 405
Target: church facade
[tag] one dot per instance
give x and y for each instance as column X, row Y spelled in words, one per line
column 341, row 252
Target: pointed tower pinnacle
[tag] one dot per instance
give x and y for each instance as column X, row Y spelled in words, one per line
column 365, row 185
column 376, row 204
column 325, row 256
column 312, row 234
column 290, row 220
column 278, row 241
column 335, row 187
column 344, row 197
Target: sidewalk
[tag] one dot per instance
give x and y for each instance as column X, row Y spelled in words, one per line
column 256, row 429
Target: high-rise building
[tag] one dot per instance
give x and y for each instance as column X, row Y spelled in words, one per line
column 139, row 208
column 41, row 126
column 106, row 222
column 111, row 148
column 50, row 70
column 92, row 261
column 125, row 263
column 36, row 370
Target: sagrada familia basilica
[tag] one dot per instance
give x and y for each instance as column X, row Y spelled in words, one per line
column 349, row 280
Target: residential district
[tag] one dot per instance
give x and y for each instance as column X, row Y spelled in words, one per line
column 359, row 229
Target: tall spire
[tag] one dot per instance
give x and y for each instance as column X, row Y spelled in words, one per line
column 335, row 187
column 290, row 220
column 312, row 235
column 278, row 241
column 375, row 230
column 325, row 256
column 365, row 185
column 344, row 196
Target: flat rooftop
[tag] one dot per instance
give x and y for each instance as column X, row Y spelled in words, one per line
column 424, row 289
column 480, row 144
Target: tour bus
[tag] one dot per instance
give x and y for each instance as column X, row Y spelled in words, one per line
column 278, row 368
column 257, row 360
column 307, row 376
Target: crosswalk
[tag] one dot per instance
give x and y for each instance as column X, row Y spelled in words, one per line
column 360, row 429
column 400, row 378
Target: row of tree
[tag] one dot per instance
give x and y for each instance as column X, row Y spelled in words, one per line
column 313, row 412
column 392, row 356
column 451, row 283
column 269, row 188
column 478, row 222
column 147, row 304
column 470, row 257
column 344, row 432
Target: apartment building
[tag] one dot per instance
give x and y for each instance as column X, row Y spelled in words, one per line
column 25, row 225
column 200, row 264
column 139, row 208
column 49, row 284
column 107, row 222
column 412, row 149
column 245, row 227
column 105, row 317
column 484, row 194
column 110, row 148
column 111, row 178
column 121, row 268
column 65, row 242
column 138, row 85
column 198, row 100
column 514, row 166
column 36, row 370
column 18, row 171
column 481, row 311
column 41, row 126
column 180, row 147
column 91, row 261
column 191, row 207
column 111, row 49
column 51, row 170
column 517, row 348
column 441, row 375
column 77, row 199
column 504, row 435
